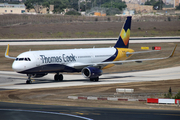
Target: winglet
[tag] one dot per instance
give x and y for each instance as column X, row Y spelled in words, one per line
column 173, row 51
column 7, row 53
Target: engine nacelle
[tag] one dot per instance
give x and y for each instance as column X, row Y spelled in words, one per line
column 38, row 75
column 91, row 72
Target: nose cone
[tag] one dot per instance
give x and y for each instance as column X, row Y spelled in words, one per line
column 16, row 66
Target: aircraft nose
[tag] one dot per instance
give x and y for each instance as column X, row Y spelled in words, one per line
column 16, row 67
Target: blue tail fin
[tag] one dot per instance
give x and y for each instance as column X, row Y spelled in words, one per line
column 123, row 40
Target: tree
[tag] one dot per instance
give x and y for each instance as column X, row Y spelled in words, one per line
column 72, row 13
column 177, row 96
column 29, row 4
column 115, row 4
column 150, row 2
column 59, row 5
column 157, row 5
column 178, row 7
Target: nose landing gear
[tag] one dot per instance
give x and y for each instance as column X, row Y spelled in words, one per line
column 29, row 79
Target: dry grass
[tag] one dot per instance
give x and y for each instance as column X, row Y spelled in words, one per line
column 89, row 30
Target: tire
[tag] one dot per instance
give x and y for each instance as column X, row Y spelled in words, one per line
column 28, row 82
column 94, row 79
column 56, row 77
column 60, row 77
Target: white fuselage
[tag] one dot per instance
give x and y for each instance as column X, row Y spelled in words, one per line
column 70, row 58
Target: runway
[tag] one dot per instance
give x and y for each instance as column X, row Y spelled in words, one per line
column 12, row 80
column 13, row 111
column 86, row 41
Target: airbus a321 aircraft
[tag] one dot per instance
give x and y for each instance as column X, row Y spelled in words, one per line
column 90, row 62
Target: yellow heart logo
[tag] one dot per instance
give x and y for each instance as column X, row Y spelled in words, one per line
column 125, row 36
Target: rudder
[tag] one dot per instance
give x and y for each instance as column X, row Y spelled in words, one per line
column 123, row 40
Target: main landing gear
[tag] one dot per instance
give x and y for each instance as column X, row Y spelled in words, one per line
column 29, row 79
column 58, row 77
column 94, row 79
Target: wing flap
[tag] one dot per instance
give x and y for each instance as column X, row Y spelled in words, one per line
column 129, row 53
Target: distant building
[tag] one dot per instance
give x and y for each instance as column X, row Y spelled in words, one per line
column 140, row 8
column 140, row 2
column 6, row 8
column 176, row 3
column 39, row 9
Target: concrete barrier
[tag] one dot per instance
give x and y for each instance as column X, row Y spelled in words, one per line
column 162, row 101
column 103, row 98
column 73, row 97
column 119, row 90
column 92, row 98
column 133, row 99
column 112, row 98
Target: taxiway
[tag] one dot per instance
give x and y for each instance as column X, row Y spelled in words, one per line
column 13, row 80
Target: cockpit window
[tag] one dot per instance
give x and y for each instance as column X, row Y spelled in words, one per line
column 23, row 59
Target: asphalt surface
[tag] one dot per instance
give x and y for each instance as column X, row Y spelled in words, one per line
column 13, row 80
column 85, row 41
column 15, row 111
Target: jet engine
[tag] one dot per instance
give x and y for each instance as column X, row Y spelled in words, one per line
column 91, row 72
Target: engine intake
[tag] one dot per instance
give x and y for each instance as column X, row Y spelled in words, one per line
column 91, row 72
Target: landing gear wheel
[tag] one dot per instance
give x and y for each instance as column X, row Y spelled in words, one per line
column 29, row 79
column 28, row 82
column 94, row 79
column 58, row 77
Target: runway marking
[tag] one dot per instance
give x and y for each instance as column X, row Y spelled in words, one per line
column 55, row 113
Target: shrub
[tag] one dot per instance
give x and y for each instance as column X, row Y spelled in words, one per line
column 72, row 13
column 169, row 95
column 177, row 96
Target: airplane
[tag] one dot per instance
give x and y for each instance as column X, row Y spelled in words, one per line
column 90, row 62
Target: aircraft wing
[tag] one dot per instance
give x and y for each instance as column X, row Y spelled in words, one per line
column 129, row 53
column 101, row 64
column 137, row 60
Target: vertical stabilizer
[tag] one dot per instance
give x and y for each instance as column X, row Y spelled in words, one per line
column 123, row 40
